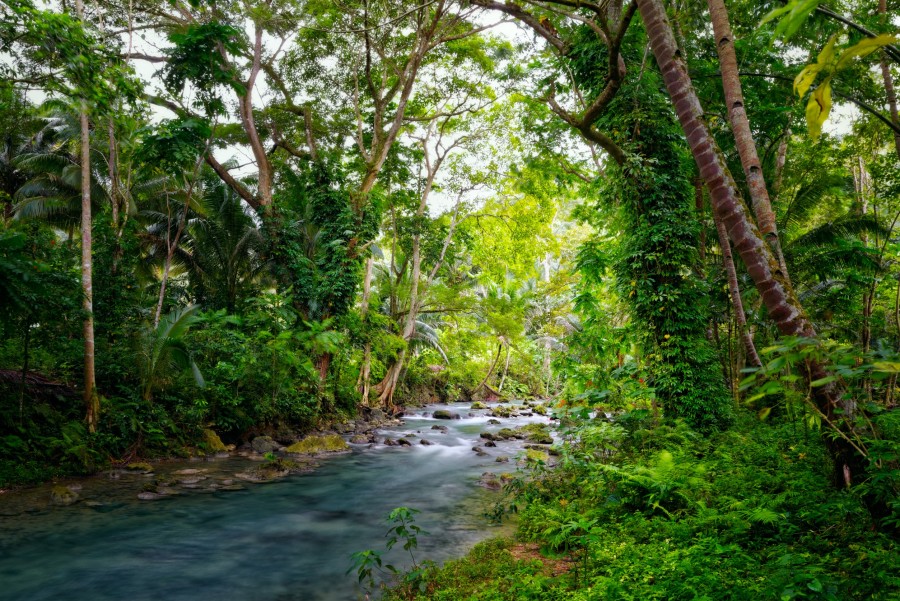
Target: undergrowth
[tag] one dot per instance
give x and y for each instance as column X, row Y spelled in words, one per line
column 640, row 513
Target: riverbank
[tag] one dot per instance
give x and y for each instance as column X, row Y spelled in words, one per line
column 645, row 511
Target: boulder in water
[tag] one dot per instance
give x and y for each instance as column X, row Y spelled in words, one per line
column 443, row 429
column 319, row 445
column 490, row 481
column 487, row 436
column 478, row 405
column 359, row 439
column 444, row 414
column 490, row 443
column 139, row 466
column 426, row 442
column 404, row 443
column 264, row 444
column 536, row 433
column 494, row 422
column 150, row 496
column 63, row 496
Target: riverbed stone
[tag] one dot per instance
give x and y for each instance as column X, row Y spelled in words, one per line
column 263, row 473
column 264, row 444
column 490, row 481
column 494, row 422
column 506, row 434
column 488, row 436
column 443, row 429
column 502, row 459
column 444, row 414
column 139, row 466
column 359, row 439
column 319, row 445
column 478, row 405
column 490, row 443
column 150, row 496
column 63, row 496
column 536, row 433
column 404, row 443
column 426, row 442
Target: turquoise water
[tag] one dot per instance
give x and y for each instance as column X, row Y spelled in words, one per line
column 289, row 540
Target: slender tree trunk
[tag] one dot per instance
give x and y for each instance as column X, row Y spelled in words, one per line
column 505, row 371
column 736, row 302
column 91, row 400
column 26, row 347
column 740, row 127
column 889, row 90
column 491, row 368
column 776, row 293
column 701, row 215
column 113, row 175
column 365, row 373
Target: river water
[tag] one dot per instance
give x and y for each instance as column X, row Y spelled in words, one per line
column 289, row 540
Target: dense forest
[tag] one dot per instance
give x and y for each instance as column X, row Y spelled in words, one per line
column 676, row 223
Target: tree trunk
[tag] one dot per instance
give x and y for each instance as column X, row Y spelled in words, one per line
column 889, row 81
column 366, row 371
column 91, row 401
column 776, row 293
column 490, row 369
column 505, row 371
column 735, row 291
column 740, row 127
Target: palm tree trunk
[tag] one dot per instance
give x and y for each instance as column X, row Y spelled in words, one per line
column 740, row 127
column 91, row 401
column 777, row 295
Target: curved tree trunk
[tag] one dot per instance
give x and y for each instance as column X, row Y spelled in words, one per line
column 740, row 127
column 777, row 295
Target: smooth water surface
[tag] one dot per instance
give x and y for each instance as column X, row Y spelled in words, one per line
column 289, row 540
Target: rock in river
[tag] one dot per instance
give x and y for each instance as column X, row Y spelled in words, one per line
column 444, row 414
column 319, row 445
column 62, row 496
column 264, row 444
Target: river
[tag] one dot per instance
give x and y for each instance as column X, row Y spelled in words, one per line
column 289, row 540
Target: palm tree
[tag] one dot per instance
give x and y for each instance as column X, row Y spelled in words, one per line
column 163, row 350
column 225, row 251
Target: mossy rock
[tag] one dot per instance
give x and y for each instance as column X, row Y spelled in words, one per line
column 139, row 466
column 317, row 445
column 536, row 433
column 506, row 434
column 212, row 442
column 540, row 409
column 62, row 496
column 478, row 405
column 442, row 414
column 536, row 456
column 503, row 411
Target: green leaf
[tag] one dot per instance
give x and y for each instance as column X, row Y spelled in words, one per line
column 822, row 381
